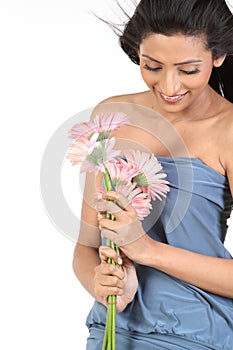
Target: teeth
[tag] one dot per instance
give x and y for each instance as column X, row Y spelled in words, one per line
column 172, row 97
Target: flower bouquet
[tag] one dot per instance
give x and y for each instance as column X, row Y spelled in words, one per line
column 135, row 174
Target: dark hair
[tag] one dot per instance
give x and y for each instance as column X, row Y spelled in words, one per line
column 211, row 18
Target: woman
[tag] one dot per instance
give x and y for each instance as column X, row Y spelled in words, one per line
column 175, row 289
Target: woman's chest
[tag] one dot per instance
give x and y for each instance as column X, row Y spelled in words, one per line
column 194, row 139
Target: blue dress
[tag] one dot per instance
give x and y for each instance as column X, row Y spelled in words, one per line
column 168, row 313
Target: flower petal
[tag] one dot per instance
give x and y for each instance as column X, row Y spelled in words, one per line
column 82, row 130
column 109, row 122
column 78, row 151
column 150, row 173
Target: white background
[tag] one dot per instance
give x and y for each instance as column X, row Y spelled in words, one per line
column 56, row 60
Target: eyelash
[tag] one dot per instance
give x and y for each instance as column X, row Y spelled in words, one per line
column 182, row 71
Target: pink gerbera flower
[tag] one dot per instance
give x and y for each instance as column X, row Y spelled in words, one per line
column 150, row 177
column 82, row 130
column 80, row 149
column 141, row 203
column 120, row 171
column 101, row 153
column 103, row 124
column 139, row 200
column 106, row 124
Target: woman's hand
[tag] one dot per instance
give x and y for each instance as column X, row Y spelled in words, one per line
column 126, row 227
column 115, row 280
column 126, row 230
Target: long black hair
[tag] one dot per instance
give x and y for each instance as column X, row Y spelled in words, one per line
column 211, row 18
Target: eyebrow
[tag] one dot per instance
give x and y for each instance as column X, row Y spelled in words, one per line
column 175, row 64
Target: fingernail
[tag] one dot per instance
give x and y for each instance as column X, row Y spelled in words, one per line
column 119, row 260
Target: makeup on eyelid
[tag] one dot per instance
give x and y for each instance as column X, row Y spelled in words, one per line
column 187, row 72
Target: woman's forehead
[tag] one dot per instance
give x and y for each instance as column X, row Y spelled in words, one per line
column 177, row 45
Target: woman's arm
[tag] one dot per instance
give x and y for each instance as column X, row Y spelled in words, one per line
column 90, row 265
column 209, row 273
column 85, row 260
column 101, row 279
column 212, row 274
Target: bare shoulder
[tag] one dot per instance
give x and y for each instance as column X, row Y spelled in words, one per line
column 136, row 98
column 137, row 133
column 121, row 103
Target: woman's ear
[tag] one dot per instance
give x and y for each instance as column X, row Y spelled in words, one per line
column 219, row 61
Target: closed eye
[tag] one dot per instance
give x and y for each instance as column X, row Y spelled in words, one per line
column 151, row 69
column 190, row 72
column 187, row 72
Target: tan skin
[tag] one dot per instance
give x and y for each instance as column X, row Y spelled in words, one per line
column 204, row 121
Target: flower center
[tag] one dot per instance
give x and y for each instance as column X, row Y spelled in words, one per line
column 103, row 135
column 141, row 180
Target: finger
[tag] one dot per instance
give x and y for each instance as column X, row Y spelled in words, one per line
column 103, row 291
column 111, row 235
column 123, row 222
column 112, row 280
column 103, row 270
column 119, row 198
column 110, row 290
column 106, row 252
column 109, row 275
column 122, row 202
column 107, row 206
column 123, row 235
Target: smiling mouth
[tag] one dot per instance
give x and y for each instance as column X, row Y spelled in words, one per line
column 172, row 99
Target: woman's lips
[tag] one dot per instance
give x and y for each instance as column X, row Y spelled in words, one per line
column 172, row 99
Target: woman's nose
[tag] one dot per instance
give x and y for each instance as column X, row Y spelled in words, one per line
column 170, row 84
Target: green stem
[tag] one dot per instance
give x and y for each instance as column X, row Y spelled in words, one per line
column 109, row 342
column 105, row 341
column 113, row 338
column 110, row 323
column 107, row 180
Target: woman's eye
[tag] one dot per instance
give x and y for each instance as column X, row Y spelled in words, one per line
column 190, row 72
column 187, row 72
column 151, row 69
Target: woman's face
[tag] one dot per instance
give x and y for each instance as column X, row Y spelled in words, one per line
column 176, row 69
